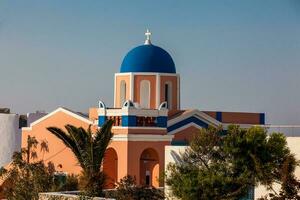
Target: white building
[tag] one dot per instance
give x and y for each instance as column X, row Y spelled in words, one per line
column 10, row 135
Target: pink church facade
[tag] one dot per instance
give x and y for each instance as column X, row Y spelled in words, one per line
column 147, row 118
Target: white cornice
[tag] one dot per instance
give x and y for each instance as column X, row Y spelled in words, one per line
column 133, row 112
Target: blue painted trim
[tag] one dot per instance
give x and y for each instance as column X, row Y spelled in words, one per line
column 219, row 116
column 262, row 118
column 162, row 121
column 101, row 120
column 187, row 121
column 179, row 142
column 128, row 120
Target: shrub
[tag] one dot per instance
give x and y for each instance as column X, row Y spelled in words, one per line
column 127, row 189
column 65, row 182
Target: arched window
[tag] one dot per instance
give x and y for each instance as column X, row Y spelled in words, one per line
column 122, row 93
column 168, row 94
column 145, row 94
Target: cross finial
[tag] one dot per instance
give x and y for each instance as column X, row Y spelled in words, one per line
column 148, row 34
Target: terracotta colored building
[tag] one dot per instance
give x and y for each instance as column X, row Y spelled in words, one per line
column 147, row 118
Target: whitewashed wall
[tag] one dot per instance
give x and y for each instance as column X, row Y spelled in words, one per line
column 172, row 155
column 10, row 137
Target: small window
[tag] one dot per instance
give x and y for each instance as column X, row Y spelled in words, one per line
column 168, row 94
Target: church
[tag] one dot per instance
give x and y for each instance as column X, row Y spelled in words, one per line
column 147, row 118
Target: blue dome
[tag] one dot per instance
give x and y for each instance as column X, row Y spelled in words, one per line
column 148, row 58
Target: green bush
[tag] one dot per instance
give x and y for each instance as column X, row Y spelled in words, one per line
column 64, row 182
column 127, row 189
column 25, row 177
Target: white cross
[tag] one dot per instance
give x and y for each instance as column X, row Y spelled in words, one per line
column 148, row 34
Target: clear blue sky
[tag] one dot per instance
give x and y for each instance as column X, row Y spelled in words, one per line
column 232, row 55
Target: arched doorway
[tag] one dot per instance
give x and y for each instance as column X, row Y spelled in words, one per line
column 149, row 168
column 110, row 167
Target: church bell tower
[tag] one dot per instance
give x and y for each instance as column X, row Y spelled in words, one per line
column 146, row 89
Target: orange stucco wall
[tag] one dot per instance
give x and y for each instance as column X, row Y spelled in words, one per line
column 186, row 134
column 237, row 117
column 93, row 114
column 121, row 149
column 120, row 78
column 240, row 118
column 173, row 80
column 135, row 150
column 213, row 114
column 58, row 153
column 127, row 154
column 152, row 80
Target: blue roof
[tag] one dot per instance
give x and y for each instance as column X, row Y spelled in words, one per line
column 148, row 58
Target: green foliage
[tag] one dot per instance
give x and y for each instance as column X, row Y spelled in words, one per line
column 290, row 187
column 218, row 166
column 25, row 179
column 89, row 149
column 127, row 189
column 71, row 183
column 65, row 182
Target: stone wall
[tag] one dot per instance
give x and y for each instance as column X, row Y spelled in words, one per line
column 66, row 196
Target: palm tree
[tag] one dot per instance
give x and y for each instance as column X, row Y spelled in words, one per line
column 89, row 149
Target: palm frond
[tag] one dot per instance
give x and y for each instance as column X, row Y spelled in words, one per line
column 68, row 141
column 82, row 141
column 102, row 139
column 88, row 150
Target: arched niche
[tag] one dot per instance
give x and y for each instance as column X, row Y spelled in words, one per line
column 122, row 92
column 149, row 168
column 145, row 94
column 110, row 167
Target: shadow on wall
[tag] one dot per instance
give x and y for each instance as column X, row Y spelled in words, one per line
column 176, row 157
